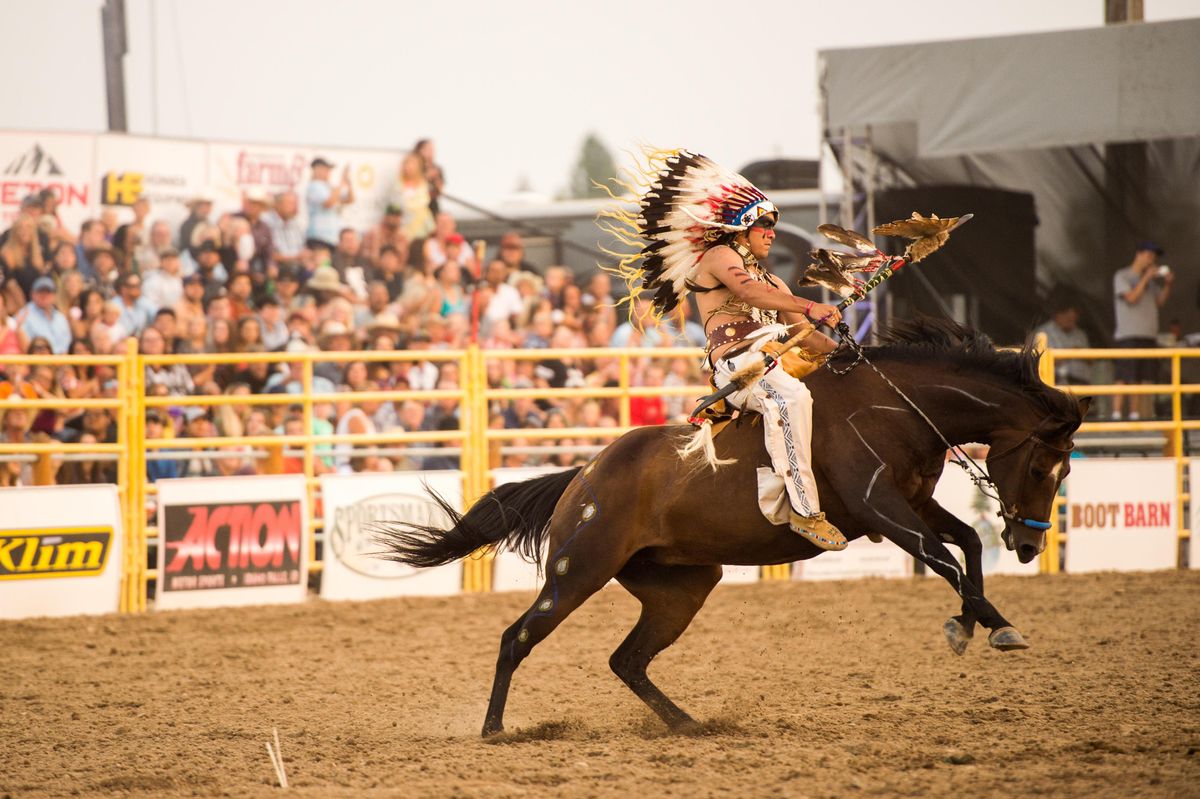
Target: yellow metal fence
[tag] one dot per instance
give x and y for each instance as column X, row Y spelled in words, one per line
column 479, row 444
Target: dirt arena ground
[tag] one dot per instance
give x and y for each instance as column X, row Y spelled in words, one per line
column 809, row 689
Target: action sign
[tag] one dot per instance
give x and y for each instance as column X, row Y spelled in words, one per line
column 60, row 551
column 1121, row 514
column 232, row 541
column 355, row 505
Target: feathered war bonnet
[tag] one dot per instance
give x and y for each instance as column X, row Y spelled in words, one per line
column 687, row 204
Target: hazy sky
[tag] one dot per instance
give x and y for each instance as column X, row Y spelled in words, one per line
column 507, row 89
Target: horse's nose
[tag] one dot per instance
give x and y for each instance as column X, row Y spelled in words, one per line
column 1027, row 552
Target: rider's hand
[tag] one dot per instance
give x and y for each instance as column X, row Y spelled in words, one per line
column 823, row 314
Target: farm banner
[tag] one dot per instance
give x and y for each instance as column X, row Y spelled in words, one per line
column 167, row 172
column 1121, row 514
column 235, row 168
column 354, row 504
column 61, row 551
column 61, row 162
column 956, row 493
column 232, row 541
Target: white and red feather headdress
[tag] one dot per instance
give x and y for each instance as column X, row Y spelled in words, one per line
column 687, row 204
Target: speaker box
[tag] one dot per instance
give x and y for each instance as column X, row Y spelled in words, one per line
column 985, row 274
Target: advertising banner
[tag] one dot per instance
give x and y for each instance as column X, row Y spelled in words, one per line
column 1194, row 527
column 1121, row 515
column 956, row 493
column 863, row 558
column 60, row 551
column 232, row 541
column 165, row 171
column 234, row 168
column 354, row 505
column 62, row 162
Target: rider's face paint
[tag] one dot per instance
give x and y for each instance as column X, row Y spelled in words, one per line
column 761, row 236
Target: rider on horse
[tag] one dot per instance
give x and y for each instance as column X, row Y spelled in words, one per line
column 706, row 230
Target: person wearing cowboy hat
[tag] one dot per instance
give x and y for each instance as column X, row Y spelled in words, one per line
column 199, row 206
column 325, row 282
column 255, row 202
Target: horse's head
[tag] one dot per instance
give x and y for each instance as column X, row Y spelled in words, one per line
column 1027, row 467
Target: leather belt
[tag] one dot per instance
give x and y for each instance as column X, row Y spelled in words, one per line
column 730, row 332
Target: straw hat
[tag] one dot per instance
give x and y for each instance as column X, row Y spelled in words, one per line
column 325, row 278
column 384, row 322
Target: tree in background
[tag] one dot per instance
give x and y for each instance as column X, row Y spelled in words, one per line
column 595, row 164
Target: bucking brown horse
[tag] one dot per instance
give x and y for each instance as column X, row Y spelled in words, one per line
column 663, row 527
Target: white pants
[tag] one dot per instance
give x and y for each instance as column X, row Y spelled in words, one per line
column 786, row 407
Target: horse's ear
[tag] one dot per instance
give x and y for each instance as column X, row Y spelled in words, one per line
column 1085, row 403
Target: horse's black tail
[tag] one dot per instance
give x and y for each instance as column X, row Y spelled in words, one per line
column 514, row 516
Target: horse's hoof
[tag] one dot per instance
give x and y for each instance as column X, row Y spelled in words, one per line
column 1007, row 639
column 490, row 730
column 956, row 635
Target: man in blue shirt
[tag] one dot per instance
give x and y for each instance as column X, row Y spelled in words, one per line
column 42, row 318
column 325, row 202
column 136, row 312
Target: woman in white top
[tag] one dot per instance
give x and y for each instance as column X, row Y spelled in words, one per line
column 355, row 420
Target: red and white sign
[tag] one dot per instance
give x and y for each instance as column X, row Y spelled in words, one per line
column 63, row 162
column 956, row 493
column 354, row 504
column 165, row 171
column 1122, row 515
column 61, row 551
column 232, row 541
column 234, row 168
column 862, row 558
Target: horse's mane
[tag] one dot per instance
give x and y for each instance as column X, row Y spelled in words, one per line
column 929, row 338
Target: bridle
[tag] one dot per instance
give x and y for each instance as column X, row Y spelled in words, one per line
column 958, row 456
column 1032, row 438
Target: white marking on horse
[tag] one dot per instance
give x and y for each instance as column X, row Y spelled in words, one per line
column 1056, row 470
column 968, row 395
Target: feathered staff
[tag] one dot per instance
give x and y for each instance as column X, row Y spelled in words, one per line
column 927, row 234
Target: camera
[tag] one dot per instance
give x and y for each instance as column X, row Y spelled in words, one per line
column 1164, row 270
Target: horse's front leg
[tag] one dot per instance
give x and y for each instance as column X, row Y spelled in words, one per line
column 958, row 629
column 885, row 509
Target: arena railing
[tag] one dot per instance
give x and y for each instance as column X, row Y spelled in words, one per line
column 274, row 447
column 44, row 454
column 1174, row 429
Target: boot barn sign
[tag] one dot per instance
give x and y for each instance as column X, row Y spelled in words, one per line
column 1122, row 515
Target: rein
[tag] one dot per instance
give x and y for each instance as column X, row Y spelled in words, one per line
column 958, row 456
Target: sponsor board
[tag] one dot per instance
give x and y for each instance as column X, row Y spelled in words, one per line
column 166, row 172
column 62, row 162
column 234, row 168
column 511, row 572
column 354, row 504
column 863, row 558
column 61, row 551
column 231, row 541
column 956, row 493
column 1194, row 526
column 1121, row 515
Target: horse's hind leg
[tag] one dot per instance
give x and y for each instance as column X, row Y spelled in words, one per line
column 670, row 597
column 573, row 574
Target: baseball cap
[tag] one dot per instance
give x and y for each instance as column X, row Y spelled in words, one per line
column 455, row 238
column 320, row 161
column 44, row 283
column 1150, row 244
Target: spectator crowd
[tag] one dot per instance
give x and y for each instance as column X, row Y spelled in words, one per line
column 261, row 280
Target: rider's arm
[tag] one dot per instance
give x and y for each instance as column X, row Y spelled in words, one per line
column 726, row 267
